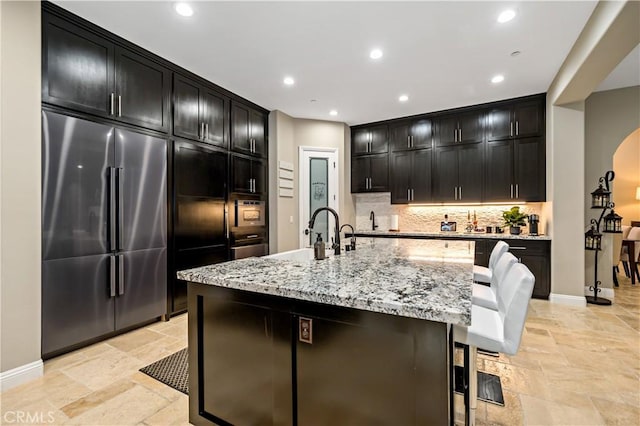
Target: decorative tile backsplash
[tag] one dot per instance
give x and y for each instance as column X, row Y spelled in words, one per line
column 428, row 218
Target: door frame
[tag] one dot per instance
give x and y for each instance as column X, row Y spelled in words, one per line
column 305, row 153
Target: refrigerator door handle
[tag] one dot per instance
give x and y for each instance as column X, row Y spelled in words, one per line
column 120, row 275
column 112, row 276
column 120, row 206
column 226, row 221
column 112, row 208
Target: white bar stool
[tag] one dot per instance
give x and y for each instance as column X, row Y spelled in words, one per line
column 482, row 274
column 486, row 296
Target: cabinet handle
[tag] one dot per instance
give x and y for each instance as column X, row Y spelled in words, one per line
column 112, row 276
column 511, row 193
column 517, row 129
column 408, row 141
column 112, row 103
column 511, row 128
column 412, row 145
column 412, row 196
column 517, row 248
column 517, row 190
column 206, row 130
column 408, row 194
column 226, row 221
column 455, row 193
column 201, row 130
column 460, row 192
column 120, row 275
column 460, row 137
column 119, row 106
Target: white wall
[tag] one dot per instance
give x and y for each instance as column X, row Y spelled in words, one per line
column 20, row 227
column 286, row 135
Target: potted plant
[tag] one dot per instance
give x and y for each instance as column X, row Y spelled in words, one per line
column 515, row 219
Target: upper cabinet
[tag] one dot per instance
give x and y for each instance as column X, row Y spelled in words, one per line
column 463, row 127
column 370, row 140
column 411, row 134
column 248, row 130
column 519, row 119
column 199, row 112
column 370, row 173
column 88, row 73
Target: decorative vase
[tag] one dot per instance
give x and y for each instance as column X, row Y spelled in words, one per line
column 514, row 230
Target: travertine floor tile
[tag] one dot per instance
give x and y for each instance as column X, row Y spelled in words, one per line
column 176, row 413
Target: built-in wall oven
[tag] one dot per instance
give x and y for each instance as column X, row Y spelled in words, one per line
column 248, row 228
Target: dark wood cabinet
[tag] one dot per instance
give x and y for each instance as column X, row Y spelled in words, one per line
column 536, row 256
column 88, row 73
column 370, row 173
column 247, row 130
column 248, row 175
column 515, row 170
column 517, row 119
column 77, row 68
column 411, row 134
column 464, row 127
column 411, row 176
column 458, row 173
column 199, row 113
column 142, row 89
column 370, row 140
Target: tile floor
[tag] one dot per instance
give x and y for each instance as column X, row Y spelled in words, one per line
column 576, row 366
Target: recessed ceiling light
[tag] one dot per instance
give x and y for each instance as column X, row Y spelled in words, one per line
column 289, row 81
column 183, row 9
column 375, row 54
column 333, row 112
column 403, row 98
column 497, row 78
column 515, row 53
column 506, row 16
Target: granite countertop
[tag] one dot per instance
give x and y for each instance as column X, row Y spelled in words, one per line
column 424, row 279
column 461, row 235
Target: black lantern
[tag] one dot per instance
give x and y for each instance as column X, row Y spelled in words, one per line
column 612, row 223
column 600, row 198
column 592, row 239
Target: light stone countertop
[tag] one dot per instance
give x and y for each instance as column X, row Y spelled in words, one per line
column 460, row 235
column 424, row 279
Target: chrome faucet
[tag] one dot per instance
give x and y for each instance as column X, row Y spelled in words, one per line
column 336, row 242
column 353, row 236
column 372, row 218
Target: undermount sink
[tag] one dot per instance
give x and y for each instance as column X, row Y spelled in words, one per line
column 303, row 254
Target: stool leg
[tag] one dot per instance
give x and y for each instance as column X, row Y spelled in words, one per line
column 615, row 277
column 467, row 405
column 473, row 384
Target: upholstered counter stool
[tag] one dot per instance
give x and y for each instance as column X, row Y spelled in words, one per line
column 483, row 274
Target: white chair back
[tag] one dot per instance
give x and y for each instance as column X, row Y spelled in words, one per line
column 625, row 231
column 634, row 234
column 500, row 248
column 503, row 265
column 514, row 293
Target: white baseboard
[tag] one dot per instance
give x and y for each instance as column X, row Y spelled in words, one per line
column 565, row 299
column 606, row 292
column 20, row 375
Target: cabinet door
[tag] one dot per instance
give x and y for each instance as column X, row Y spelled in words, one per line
column 240, row 128
column 379, row 173
column 360, row 139
column 215, row 112
column 500, row 123
column 142, row 286
column 529, row 169
column 186, row 107
column 400, row 177
column 539, row 267
column 471, row 125
column 257, row 132
column 499, row 171
column 446, row 129
column 199, row 171
column 258, row 173
column 445, row 180
column 399, row 134
column 360, row 167
column 77, row 68
column 421, row 176
column 379, row 139
column 529, row 119
column 421, row 133
column 142, row 91
column 241, row 171
column 470, row 173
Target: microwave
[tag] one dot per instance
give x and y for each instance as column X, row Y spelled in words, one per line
column 250, row 213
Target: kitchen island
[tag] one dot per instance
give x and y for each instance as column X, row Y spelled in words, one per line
column 359, row 338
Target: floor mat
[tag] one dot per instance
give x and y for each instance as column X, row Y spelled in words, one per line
column 172, row 371
column 489, row 387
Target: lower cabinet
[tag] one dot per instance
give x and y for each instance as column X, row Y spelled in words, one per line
column 258, row 359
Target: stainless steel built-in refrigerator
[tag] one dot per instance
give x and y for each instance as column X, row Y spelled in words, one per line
column 104, row 227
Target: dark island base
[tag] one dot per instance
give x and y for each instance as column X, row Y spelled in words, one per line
column 249, row 365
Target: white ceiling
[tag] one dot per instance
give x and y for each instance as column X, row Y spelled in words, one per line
column 442, row 54
column 626, row 74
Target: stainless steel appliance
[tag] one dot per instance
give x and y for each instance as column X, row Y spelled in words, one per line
column 249, row 213
column 104, row 226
